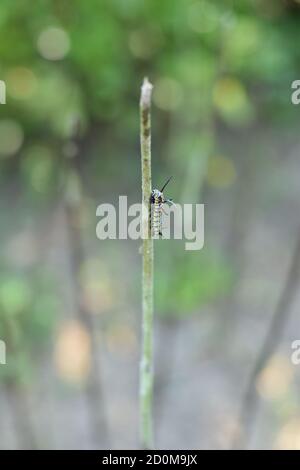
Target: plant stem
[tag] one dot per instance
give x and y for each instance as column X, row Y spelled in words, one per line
column 146, row 365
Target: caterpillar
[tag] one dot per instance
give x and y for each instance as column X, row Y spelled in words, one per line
column 157, row 199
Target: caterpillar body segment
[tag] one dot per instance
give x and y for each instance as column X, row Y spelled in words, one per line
column 157, row 200
column 156, row 207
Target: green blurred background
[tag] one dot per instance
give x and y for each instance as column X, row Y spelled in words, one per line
column 70, row 305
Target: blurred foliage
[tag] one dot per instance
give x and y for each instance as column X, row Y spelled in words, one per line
column 212, row 62
column 200, row 278
column 26, row 320
column 86, row 59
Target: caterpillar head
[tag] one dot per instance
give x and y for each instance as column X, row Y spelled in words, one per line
column 157, row 196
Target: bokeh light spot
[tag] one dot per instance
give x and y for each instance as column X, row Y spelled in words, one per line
column 38, row 166
column 274, row 380
column 203, row 16
column 53, row 43
column 289, row 435
column 98, row 296
column 72, row 353
column 14, row 296
column 11, row 137
column 21, row 82
column 221, row 172
column 98, row 288
column 231, row 100
column 167, row 94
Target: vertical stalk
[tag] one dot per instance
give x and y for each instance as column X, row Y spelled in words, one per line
column 279, row 320
column 17, row 391
column 146, row 365
column 93, row 390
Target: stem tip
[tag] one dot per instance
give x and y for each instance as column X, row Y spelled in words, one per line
column 146, row 93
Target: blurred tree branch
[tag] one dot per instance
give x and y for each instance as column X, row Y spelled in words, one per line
column 279, row 320
column 74, row 204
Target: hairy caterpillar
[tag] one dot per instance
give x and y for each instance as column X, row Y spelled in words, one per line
column 157, row 200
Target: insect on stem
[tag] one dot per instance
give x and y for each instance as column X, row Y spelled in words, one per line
column 157, row 201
